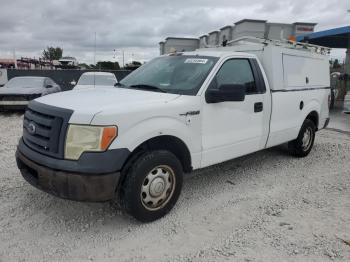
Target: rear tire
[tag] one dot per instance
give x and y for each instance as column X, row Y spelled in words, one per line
column 152, row 185
column 302, row 146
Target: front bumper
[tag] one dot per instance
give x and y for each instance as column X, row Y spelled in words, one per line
column 79, row 185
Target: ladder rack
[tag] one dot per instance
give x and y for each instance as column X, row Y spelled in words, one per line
column 283, row 43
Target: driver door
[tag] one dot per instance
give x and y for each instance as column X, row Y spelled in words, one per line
column 231, row 128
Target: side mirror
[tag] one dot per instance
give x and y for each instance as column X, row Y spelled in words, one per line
column 49, row 86
column 73, row 83
column 226, row 93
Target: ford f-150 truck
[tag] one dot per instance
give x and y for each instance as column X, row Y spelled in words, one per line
column 176, row 113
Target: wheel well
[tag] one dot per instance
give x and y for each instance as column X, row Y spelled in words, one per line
column 170, row 143
column 313, row 116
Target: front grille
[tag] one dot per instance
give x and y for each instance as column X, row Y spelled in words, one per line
column 13, row 98
column 45, row 127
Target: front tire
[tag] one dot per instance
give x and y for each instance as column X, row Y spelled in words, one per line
column 302, row 146
column 152, row 185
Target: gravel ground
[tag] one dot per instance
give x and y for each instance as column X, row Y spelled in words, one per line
column 267, row 206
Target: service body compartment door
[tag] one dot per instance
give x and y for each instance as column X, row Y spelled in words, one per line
column 231, row 129
column 303, row 90
column 304, row 72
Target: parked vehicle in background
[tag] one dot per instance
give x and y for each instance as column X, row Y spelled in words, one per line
column 96, row 79
column 3, row 77
column 177, row 113
column 18, row 91
column 68, row 62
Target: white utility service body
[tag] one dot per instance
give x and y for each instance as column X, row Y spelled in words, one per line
column 285, row 86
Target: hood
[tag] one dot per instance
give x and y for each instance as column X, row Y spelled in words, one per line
column 88, row 102
column 21, row 91
column 77, row 87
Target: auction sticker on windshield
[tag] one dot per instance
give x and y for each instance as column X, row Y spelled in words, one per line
column 196, row 61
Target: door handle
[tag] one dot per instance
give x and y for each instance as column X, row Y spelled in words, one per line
column 258, row 107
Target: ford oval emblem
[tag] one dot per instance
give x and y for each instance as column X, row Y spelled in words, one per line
column 31, row 128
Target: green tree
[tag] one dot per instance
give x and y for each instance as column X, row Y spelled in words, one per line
column 133, row 65
column 137, row 63
column 52, row 53
column 84, row 66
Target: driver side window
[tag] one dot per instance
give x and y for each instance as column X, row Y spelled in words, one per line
column 235, row 72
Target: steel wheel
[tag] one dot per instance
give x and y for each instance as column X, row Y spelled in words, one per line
column 307, row 139
column 302, row 145
column 157, row 187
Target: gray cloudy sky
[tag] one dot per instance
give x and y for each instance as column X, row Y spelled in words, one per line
column 136, row 26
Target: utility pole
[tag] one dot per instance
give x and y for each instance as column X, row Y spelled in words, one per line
column 95, row 51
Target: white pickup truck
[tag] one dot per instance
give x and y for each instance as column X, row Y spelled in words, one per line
column 176, row 113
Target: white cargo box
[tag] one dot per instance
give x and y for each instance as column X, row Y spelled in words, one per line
column 288, row 67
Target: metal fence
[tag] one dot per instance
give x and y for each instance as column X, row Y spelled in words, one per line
column 61, row 77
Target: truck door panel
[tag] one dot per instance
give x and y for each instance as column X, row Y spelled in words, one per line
column 231, row 129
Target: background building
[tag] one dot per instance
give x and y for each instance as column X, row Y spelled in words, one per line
column 245, row 27
column 177, row 43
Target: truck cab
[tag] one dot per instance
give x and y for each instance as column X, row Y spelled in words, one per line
column 176, row 113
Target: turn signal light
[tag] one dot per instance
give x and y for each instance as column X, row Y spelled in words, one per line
column 108, row 135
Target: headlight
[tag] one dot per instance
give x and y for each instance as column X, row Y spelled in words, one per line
column 88, row 138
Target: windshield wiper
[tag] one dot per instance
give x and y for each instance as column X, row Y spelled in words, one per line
column 148, row 87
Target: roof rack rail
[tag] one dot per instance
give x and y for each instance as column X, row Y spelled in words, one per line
column 284, row 43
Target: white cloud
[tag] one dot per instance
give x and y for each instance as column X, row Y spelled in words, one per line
column 137, row 26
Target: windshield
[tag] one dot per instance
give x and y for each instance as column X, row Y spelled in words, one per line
column 103, row 80
column 172, row 74
column 25, row 82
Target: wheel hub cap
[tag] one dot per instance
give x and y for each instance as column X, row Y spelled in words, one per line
column 158, row 187
column 307, row 137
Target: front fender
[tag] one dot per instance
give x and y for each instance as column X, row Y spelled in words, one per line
column 157, row 126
